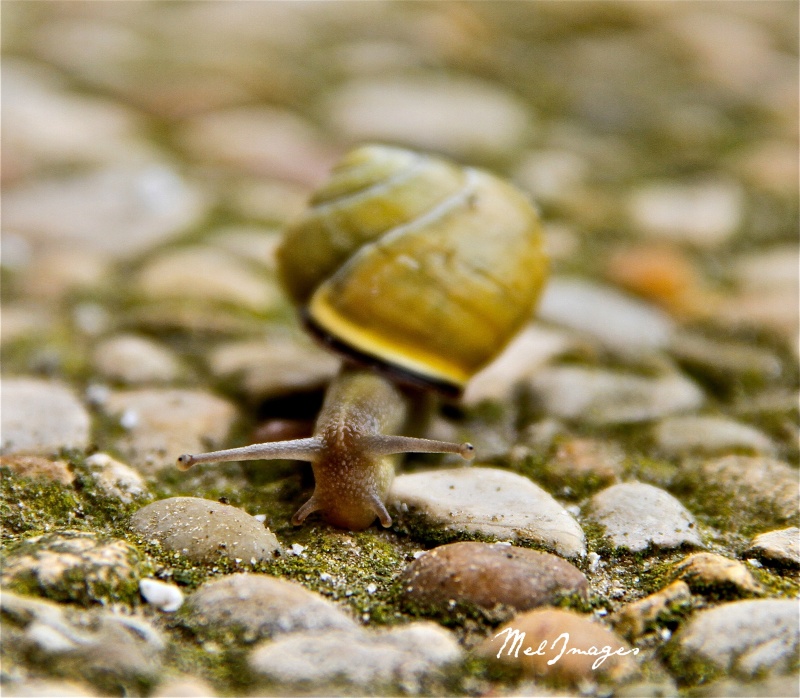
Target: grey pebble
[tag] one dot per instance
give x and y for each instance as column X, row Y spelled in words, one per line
column 134, row 360
column 489, row 576
column 780, row 547
column 617, row 321
column 274, row 368
column 203, row 530
column 401, row 657
column 75, row 566
column 489, row 502
column 599, row 396
column 701, row 434
column 41, row 417
column 97, row 645
column 637, row 516
column 143, row 205
column 164, row 423
column 256, row 606
column 764, row 490
column 744, row 638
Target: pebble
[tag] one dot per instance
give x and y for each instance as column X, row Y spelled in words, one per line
column 209, row 274
column 604, row 397
column 528, row 352
column 585, row 463
column 553, row 175
column 488, row 502
column 270, row 200
column 75, row 566
column 184, row 687
column 162, row 424
column 46, row 688
column 705, row 214
column 398, row 658
column 36, row 467
column 202, row 530
column 41, row 417
column 742, row 638
column 264, row 141
column 489, row 576
column 457, row 115
column 116, row 479
column 770, row 687
column 543, row 633
column 165, row 597
column 635, row 619
column 711, row 573
column 256, row 244
column 256, row 606
column 705, row 434
column 134, row 360
column 52, row 274
column 120, row 211
column 617, row 321
column 100, row 646
column 777, row 548
column 763, row 490
column 274, row 368
column 637, row 516
column 24, row 319
column 720, row 361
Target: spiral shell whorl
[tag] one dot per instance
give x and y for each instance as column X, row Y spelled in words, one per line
column 420, row 264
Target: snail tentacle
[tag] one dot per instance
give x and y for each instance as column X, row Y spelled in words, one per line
column 308, row 449
column 387, row 445
column 309, row 507
column 380, row 511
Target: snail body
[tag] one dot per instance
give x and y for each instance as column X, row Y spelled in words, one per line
column 418, row 269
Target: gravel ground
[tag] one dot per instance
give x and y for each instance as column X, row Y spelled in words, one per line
column 635, row 492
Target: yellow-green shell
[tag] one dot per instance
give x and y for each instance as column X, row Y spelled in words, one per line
column 417, row 262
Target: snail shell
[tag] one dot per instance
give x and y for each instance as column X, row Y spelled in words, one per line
column 415, row 264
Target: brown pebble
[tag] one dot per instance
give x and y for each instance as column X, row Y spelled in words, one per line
column 560, row 646
column 489, row 576
column 709, row 572
column 635, row 619
column 36, row 467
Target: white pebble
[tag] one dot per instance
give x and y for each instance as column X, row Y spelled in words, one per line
column 261, row 518
column 165, row 597
column 297, row 549
column 372, row 588
column 129, row 419
column 594, row 561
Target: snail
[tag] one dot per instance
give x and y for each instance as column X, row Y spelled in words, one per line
column 419, row 272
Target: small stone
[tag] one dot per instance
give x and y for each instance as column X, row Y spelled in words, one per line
column 602, row 397
column 75, row 566
column 165, row 597
column 457, row 115
column 116, row 479
column 637, row 516
column 777, row 547
column 549, row 635
column 617, row 321
column 134, row 360
column 639, row 617
column 209, row 274
column 553, row 175
column 399, row 657
column 264, row 141
column 488, row 502
column 203, row 531
column 52, row 274
column 700, row 434
column 105, row 648
column 256, row 606
column 184, row 687
column 742, row 638
column 168, row 423
column 256, row 244
column 530, row 350
column 24, row 319
column 585, row 463
column 119, row 211
column 762, row 490
column 41, row 417
column 709, row 572
column 275, row 368
column 492, row 577
column 769, row 687
column 270, row 200
column 36, row 467
column 47, row 688
column 705, row 214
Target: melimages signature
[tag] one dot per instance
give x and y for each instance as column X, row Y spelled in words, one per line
column 515, row 640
